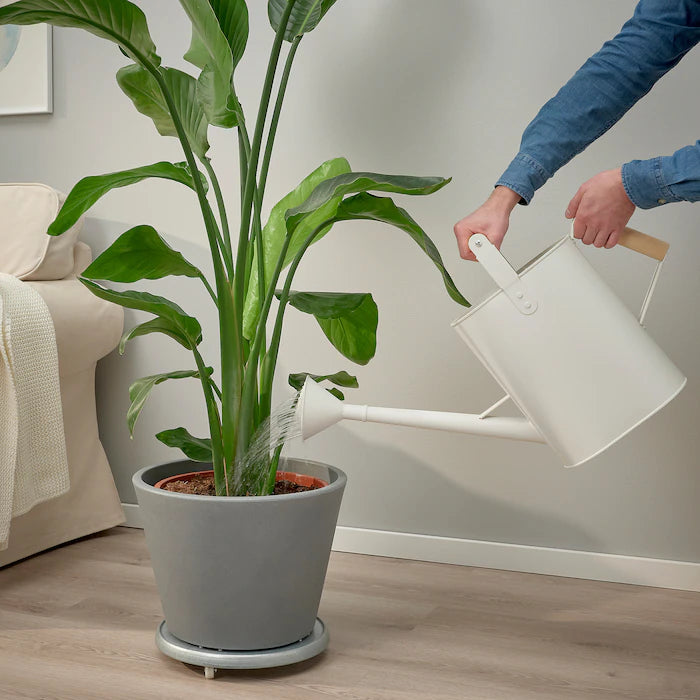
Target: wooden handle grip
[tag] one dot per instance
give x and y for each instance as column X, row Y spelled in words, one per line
column 643, row 243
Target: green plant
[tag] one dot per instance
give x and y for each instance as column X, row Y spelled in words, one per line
column 245, row 279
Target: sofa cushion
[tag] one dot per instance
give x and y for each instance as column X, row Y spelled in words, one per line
column 26, row 251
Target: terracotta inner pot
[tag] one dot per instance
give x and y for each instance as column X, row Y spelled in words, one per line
column 301, row 479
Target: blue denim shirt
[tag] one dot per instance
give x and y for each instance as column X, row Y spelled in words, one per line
column 652, row 42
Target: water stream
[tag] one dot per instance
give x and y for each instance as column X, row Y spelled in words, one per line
column 283, row 425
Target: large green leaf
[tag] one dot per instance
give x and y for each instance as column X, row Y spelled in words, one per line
column 90, row 189
column 305, row 15
column 139, row 253
column 156, row 325
column 348, row 320
column 232, row 16
column 367, row 206
column 140, row 390
column 325, row 304
column 159, row 306
column 351, row 183
column 197, row 449
column 342, row 378
column 143, row 90
column 119, row 21
column 275, row 232
column 215, row 83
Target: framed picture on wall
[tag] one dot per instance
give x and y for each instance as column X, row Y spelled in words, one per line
column 25, row 69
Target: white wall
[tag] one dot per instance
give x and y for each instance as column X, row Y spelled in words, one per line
column 426, row 88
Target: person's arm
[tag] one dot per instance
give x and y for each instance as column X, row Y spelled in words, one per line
column 656, row 181
column 652, row 42
column 491, row 219
column 604, row 204
column 608, row 84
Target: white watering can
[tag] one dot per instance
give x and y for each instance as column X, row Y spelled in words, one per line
column 568, row 353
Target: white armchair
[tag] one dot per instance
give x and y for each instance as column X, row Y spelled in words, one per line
column 87, row 328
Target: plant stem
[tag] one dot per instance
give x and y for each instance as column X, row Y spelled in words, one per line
column 247, row 409
column 205, row 282
column 250, row 181
column 260, row 191
column 276, row 116
column 214, row 425
column 258, row 248
column 216, row 389
column 257, row 232
column 229, row 339
column 272, row 472
column 270, row 360
column 242, row 164
column 225, row 239
column 243, row 147
column 242, row 127
column 274, row 122
column 250, row 375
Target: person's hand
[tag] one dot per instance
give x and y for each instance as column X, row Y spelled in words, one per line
column 491, row 219
column 601, row 209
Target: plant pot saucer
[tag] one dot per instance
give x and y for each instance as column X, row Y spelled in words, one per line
column 212, row 659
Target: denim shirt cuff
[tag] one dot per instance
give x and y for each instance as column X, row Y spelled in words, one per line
column 645, row 185
column 524, row 175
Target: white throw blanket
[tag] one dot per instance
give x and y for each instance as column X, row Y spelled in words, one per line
column 33, row 463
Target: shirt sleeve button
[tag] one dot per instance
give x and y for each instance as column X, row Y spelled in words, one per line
column 661, row 201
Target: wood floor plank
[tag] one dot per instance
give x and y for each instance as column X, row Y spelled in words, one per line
column 78, row 623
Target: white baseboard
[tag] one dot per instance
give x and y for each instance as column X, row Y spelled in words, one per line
column 596, row 566
column 132, row 515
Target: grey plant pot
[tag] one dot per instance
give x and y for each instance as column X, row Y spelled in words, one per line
column 240, row 573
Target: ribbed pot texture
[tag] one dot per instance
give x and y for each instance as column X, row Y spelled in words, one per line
column 240, row 573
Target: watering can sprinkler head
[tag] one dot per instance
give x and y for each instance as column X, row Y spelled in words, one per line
column 317, row 409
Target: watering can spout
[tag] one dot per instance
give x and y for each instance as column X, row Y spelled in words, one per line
column 317, row 410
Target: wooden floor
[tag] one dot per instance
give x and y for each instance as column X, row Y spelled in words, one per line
column 77, row 623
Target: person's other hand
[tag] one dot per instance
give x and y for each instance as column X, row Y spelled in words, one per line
column 491, row 219
column 601, row 209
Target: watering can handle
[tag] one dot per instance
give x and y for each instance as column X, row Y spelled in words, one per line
column 640, row 242
column 502, row 273
column 653, row 248
column 644, row 243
